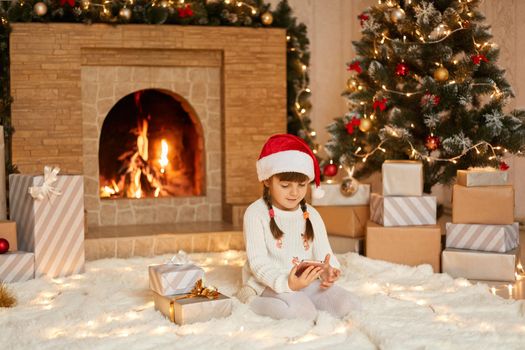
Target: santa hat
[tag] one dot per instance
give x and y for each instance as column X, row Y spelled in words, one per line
column 287, row 153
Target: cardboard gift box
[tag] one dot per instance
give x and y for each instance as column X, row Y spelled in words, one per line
column 8, row 231
column 17, row 266
column 348, row 221
column 341, row 245
column 409, row 245
column 491, row 238
column 333, row 195
column 482, row 177
column 492, row 205
column 170, row 279
column 402, row 178
column 478, row 265
column 403, row 211
column 190, row 310
column 52, row 224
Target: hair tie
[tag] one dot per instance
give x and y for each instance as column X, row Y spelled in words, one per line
column 272, row 213
column 306, row 215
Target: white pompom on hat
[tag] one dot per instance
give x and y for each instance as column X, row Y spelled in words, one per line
column 287, row 153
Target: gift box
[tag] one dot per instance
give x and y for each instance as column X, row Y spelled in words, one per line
column 185, row 310
column 8, row 231
column 478, row 265
column 17, row 266
column 348, row 221
column 408, row 245
column 341, row 245
column 482, row 177
column 170, row 279
column 333, row 195
column 492, row 205
column 50, row 220
column 402, row 178
column 403, row 211
column 491, row 238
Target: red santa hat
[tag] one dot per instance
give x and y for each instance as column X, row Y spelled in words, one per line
column 287, row 153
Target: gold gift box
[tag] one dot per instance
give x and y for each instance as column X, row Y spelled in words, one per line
column 183, row 310
column 348, row 221
column 402, row 178
column 408, row 245
column 479, row 265
column 482, row 177
column 491, row 205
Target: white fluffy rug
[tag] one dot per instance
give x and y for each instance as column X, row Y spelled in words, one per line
column 110, row 307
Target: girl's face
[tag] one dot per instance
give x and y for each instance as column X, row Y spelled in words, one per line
column 286, row 195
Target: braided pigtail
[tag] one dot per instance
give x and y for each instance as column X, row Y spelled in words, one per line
column 276, row 231
column 309, row 229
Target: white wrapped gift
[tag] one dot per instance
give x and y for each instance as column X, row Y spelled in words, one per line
column 482, row 177
column 174, row 277
column 402, row 178
column 333, row 195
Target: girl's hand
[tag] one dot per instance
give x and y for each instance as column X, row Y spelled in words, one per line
column 330, row 274
column 308, row 276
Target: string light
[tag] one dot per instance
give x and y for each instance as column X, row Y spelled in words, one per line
column 497, row 92
column 423, row 42
column 416, row 154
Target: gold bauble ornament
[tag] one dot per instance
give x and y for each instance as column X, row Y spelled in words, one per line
column 352, row 84
column 125, row 13
column 365, row 125
column 85, row 4
column 40, row 9
column 349, row 187
column 267, row 18
column 397, row 15
column 441, row 74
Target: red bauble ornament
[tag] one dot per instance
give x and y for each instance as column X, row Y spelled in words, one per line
column 432, row 142
column 503, row 166
column 4, row 245
column 330, row 170
column 401, row 69
column 71, row 3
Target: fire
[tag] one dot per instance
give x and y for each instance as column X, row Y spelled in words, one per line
column 163, row 161
column 140, row 177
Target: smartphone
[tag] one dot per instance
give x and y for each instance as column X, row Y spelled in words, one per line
column 305, row 263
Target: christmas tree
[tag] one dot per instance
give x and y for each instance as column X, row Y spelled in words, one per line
column 427, row 87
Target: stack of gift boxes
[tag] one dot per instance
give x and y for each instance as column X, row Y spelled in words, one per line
column 482, row 240
column 403, row 226
column 344, row 215
column 49, row 232
column 179, row 295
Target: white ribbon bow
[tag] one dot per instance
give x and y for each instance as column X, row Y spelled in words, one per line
column 46, row 189
column 181, row 258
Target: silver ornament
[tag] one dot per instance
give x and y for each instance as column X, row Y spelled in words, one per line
column 397, row 15
column 125, row 13
column 40, row 9
column 349, row 187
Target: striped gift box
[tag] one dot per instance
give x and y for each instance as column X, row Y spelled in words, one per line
column 170, row 279
column 52, row 228
column 403, row 211
column 489, row 238
column 17, row 266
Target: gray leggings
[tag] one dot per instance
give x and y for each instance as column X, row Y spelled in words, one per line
column 305, row 303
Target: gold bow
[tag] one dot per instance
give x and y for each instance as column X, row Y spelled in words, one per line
column 47, row 188
column 200, row 291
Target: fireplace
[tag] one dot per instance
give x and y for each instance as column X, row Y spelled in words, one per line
column 228, row 83
column 151, row 145
column 128, row 111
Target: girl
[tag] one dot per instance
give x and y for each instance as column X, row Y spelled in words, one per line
column 280, row 230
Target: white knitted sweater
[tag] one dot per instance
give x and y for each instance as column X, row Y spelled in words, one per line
column 267, row 264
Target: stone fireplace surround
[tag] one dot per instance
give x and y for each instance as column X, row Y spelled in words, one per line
column 66, row 77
